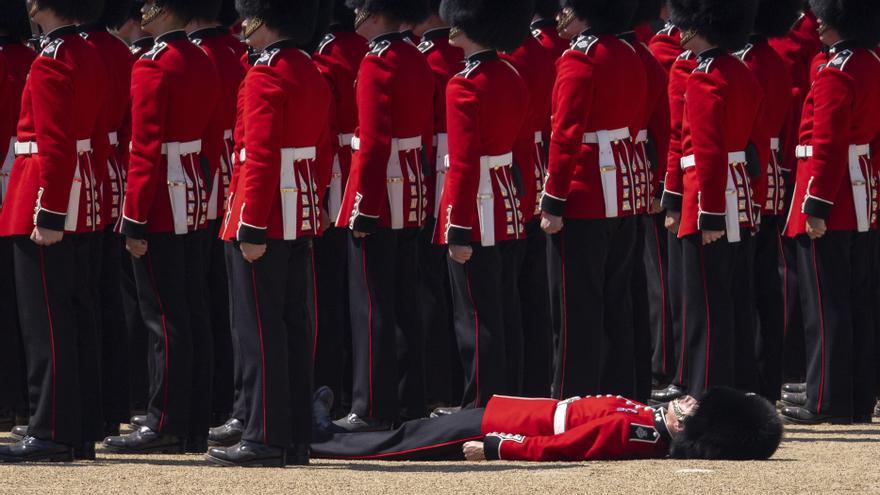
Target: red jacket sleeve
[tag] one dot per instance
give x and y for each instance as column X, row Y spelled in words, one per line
column 618, row 436
column 672, row 187
column 705, row 111
column 458, row 207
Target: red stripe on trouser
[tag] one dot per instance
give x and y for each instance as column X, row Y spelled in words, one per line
column 663, row 328
column 708, row 315
column 167, row 350
column 369, row 323
column 564, row 319
column 467, row 279
column 262, row 352
column 51, row 336
column 822, row 327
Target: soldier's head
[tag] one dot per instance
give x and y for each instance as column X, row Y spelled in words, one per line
column 724, row 24
column 65, row 10
column 14, row 23
column 114, row 13
column 851, row 20
column 376, row 17
column 495, row 24
column 547, row 9
column 776, row 17
column 161, row 16
column 729, row 424
column 599, row 16
column 647, row 11
column 267, row 21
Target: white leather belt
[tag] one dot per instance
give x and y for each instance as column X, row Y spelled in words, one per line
column 345, row 140
column 181, row 149
column 731, row 196
column 394, row 175
column 292, row 183
column 114, row 138
column 560, row 416
column 227, row 134
column 403, row 144
column 486, row 195
column 441, row 157
column 31, row 148
column 607, row 164
column 178, row 182
column 803, row 151
column 642, row 136
column 860, row 184
column 732, row 157
column 613, row 135
column 774, row 144
column 539, row 137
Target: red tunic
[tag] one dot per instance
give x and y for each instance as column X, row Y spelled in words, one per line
column 598, row 97
column 287, row 149
column 480, row 202
column 840, row 132
column 544, row 30
column 722, row 102
column 678, row 76
column 769, row 69
column 593, row 428
column 175, row 93
column 54, row 178
column 395, row 96
column 666, row 45
column 445, row 61
column 15, row 63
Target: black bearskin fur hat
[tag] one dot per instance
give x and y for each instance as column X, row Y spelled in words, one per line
column 322, row 26
column 547, row 9
column 856, row 20
column 134, row 12
column 14, row 21
column 497, row 24
column 605, row 16
column 730, row 425
column 342, row 14
column 206, row 10
column 647, row 11
column 725, row 23
column 406, row 11
column 776, row 17
column 80, row 10
column 228, row 15
column 295, row 19
column 185, row 10
column 115, row 13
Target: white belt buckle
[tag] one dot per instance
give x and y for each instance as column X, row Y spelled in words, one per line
column 859, row 186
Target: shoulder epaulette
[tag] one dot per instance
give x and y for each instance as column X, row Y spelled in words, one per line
column 705, row 65
column 744, row 52
column 267, row 57
column 840, row 59
column 536, row 33
column 585, row 43
column 469, row 69
column 52, row 48
column 326, row 41
column 668, row 29
column 686, row 55
column 378, row 49
column 425, row 46
column 154, row 52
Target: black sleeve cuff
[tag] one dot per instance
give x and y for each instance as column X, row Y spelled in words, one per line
column 710, row 221
column 251, row 235
column 48, row 220
column 553, row 205
column 658, row 192
column 670, row 201
column 458, row 236
column 492, row 447
column 817, row 208
column 133, row 229
column 365, row 224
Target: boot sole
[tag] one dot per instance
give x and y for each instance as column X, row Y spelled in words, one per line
column 278, row 462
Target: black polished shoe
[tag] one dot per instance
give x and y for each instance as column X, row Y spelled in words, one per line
column 298, row 454
column 229, row 433
column 795, row 388
column 19, row 432
column 30, row 449
column 445, row 411
column 248, row 454
column 668, row 394
column 322, row 422
column 144, row 441
column 803, row 416
column 85, row 452
column 196, row 444
column 356, row 424
column 138, row 421
column 793, row 399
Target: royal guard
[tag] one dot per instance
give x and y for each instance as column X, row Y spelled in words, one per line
column 716, row 211
column 834, row 210
column 590, row 197
column 650, row 304
column 531, row 372
column 139, row 41
column 275, row 211
column 51, row 214
column 339, row 56
column 445, row 61
column 544, row 28
column 174, row 138
column 774, row 19
column 481, row 216
column 15, row 62
column 385, row 204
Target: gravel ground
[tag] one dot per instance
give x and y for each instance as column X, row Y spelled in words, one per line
column 827, row 459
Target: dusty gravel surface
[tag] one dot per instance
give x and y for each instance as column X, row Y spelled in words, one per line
column 828, row 459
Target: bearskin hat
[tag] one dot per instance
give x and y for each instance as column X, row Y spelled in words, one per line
column 80, row 10
column 342, row 14
column 498, row 24
column 322, row 26
column 435, row 6
column 185, row 10
column 295, row 19
column 406, row 11
column 725, row 23
column 776, row 17
column 647, row 11
column 115, row 13
column 15, row 22
column 547, row 9
column 605, row 16
column 134, row 12
column 228, row 15
column 731, row 425
column 206, row 10
column 857, row 20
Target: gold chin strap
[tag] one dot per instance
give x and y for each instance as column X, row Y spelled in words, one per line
column 823, row 28
column 150, row 15
column 565, row 18
column 361, row 18
column 687, row 36
column 454, row 33
column 253, row 25
column 679, row 414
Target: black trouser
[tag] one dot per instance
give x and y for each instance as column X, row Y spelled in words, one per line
column 86, row 299
column 333, row 316
column 794, row 350
column 744, row 314
column 115, row 361
column 202, row 337
column 534, row 294
column 659, row 308
column 834, row 276
column 708, row 318
column 13, row 373
column 140, row 370
column 434, row 439
column 275, row 337
column 385, row 328
column 770, row 302
column 485, row 305
column 642, row 335
column 441, row 361
column 676, row 308
column 875, row 304
column 240, row 401
column 217, row 295
column 591, row 264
